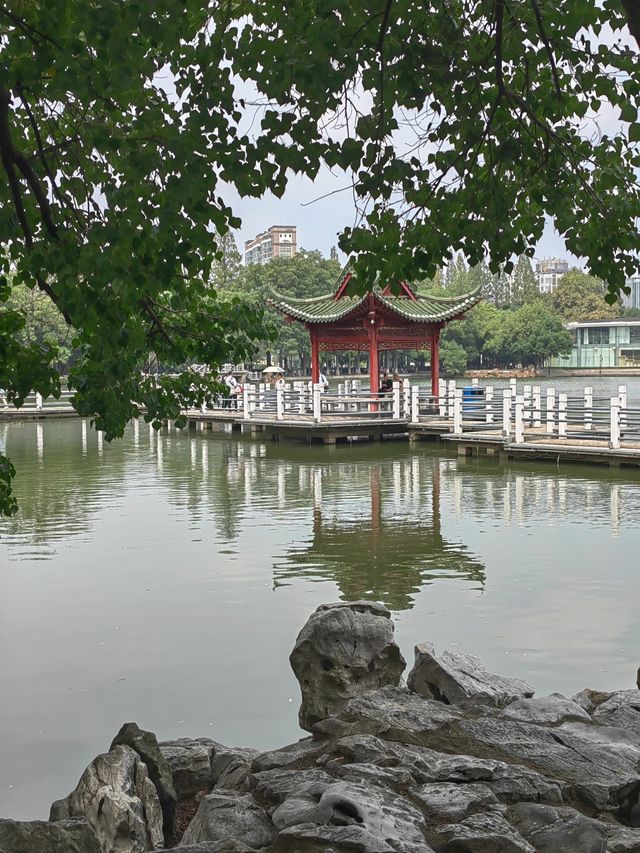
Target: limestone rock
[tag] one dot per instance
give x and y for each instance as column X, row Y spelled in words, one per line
column 231, row 846
column 622, row 840
column 447, row 801
column 547, row 711
column 228, row 817
column 487, row 832
column 344, row 650
column 190, row 763
column 274, row 786
column 600, row 763
column 119, row 800
column 40, row 836
column 390, row 712
column 590, row 699
column 454, row 678
column 378, row 813
column 308, row 838
column 621, row 709
column 303, row 753
column 229, row 766
column 146, row 745
column 558, row 830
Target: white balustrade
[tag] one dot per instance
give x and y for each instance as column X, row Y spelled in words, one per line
column 457, row 411
column 415, row 404
column 562, row 415
column 488, row 402
column 317, row 403
column 614, row 423
column 519, row 419
column 396, row 401
column 506, row 412
column 442, row 398
column 279, row 404
column 537, row 406
column 588, row 408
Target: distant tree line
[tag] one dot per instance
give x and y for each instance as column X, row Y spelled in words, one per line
column 514, row 325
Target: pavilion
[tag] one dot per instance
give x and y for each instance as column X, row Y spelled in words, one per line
column 375, row 320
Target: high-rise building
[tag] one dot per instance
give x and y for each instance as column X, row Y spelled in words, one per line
column 279, row 241
column 549, row 272
column 632, row 299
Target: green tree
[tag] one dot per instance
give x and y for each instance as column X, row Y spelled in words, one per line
column 456, row 277
column 524, row 287
column 121, row 122
column 453, row 358
column 227, row 269
column 43, row 326
column 580, row 297
column 531, row 334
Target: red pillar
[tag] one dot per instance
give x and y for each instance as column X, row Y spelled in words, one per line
column 315, row 357
column 435, row 361
column 374, row 369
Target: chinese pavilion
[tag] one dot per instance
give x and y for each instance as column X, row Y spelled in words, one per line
column 374, row 321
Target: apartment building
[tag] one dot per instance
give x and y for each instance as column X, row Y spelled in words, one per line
column 279, row 241
column 549, row 272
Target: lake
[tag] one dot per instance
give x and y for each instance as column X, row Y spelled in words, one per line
column 164, row 578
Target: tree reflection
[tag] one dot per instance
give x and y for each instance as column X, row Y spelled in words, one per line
column 393, row 552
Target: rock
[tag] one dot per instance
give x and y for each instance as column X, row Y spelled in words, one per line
column 390, row 712
column 307, row 838
column 454, row 678
column 229, row 766
column 600, row 763
column 301, row 754
column 214, row 847
column 274, row 786
column 511, row 783
column 590, row 699
column 447, row 801
column 40, row 836
column 227, row 817
column 488, row 832
column 621, row 709
column 146, row 745
column 380, row 815
column 621, row 840
column 546, row 711
column 558, row 830
column 344, row 650
column 120, row 802
column 190, row 763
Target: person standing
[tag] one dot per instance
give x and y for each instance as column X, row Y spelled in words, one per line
column 232, row 384
column 280, row 383
column 323, row 382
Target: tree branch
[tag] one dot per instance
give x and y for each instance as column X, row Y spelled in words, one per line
column 545, row 40
column 632, row 11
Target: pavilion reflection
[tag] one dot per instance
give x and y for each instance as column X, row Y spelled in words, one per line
column 391, row 552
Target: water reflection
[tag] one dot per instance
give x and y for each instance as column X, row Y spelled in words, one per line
column 388, row 553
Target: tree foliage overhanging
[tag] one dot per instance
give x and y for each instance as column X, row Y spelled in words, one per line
column 461, row 126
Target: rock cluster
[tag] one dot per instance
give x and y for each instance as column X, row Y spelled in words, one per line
column 458, row 761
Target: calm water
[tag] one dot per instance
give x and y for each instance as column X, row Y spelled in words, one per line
column 164, row 578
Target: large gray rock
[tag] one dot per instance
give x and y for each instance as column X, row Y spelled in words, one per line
column 454, row 678
column 558, row 830
column 229, row 766
column 309, row 838
column 344, row 650
column 190, row 763
column 230, row 817
column 487, row 832
column 146, row 745
column 120, row 801
column 621, row 709
column 303, row 753
column 600, row 763
column 447, row 801
column 381, row 816
column 622, row 840
column 39, row 836
column 546, row 711
column 390, row 712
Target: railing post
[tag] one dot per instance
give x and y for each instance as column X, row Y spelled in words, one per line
column 488, row 402
column 562, row 415
column 506, row 412
column 247, row 401
column 317, row 403
column 527, row 403
column 551, row 405
column 39, row 401
column 622, row 397
column 261, row 395
column 441, row 402
column 588, row 408
column 279, row 404
column 614, row 429
column 396, row 401
column 513, row 385
column 415, row 404
column 537, row 405
column 301, row 398
column 519, row 420
column 406, row 399
column 451, row 397
column 457, row 411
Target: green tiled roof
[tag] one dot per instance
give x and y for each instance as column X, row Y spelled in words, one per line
column 328, row 309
